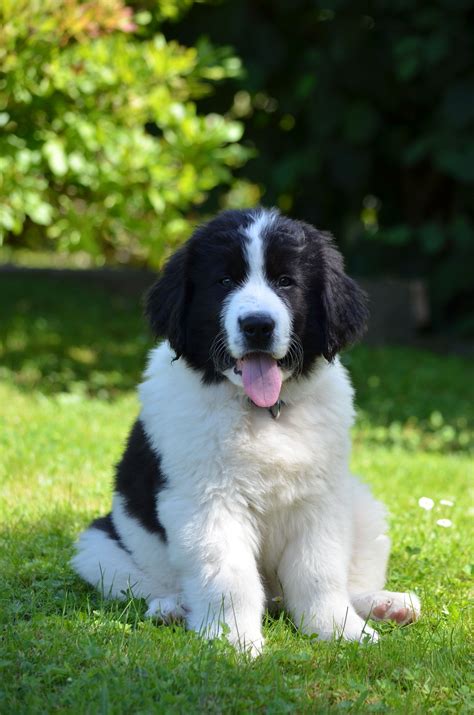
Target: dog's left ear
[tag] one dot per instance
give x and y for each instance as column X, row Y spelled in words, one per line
column 165, row 302
column 345, row 304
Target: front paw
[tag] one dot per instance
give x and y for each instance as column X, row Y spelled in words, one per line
column 342, row 623
column 246, row 640
column 166, row 610
column 355, row 629
column 252, row 645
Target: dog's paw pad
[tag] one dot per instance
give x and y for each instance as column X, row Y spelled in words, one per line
column 381, row 609
column 403, row 608
column 401, row 616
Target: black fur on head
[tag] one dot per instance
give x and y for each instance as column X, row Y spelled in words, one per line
column 328, row 309
column 343, row 303
column 165, row 302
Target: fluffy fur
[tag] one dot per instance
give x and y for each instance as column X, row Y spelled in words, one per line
column 219, row 509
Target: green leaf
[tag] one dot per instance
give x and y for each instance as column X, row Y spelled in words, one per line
column 56, row 156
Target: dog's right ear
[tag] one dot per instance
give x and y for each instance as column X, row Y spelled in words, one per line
column 166, row 300
column 344, row 302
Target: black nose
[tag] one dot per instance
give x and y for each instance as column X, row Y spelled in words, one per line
column 258, row 329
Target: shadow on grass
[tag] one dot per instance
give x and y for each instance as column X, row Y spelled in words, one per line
column 61, row 335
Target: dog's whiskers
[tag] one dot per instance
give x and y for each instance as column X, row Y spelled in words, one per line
column 219, row 353
column 293, row 360
column 223, row 360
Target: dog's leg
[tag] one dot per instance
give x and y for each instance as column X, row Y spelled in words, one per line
column 313, row 571
column 105, row 564
column 370, row 547
column 213, row 551
column 370, row 553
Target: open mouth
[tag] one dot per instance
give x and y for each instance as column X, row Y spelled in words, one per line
column 261, row 373
column 261, row 377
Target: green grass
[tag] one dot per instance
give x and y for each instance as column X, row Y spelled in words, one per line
column 69, row 358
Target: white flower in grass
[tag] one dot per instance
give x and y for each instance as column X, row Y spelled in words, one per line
column 446, row 502
column 426, row 503
column 445, row 523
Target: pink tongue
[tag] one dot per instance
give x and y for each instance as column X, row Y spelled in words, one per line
column 262, row 379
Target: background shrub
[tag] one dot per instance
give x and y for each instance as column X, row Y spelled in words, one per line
column 359, row 117
column 101, row 147
column 363, row 117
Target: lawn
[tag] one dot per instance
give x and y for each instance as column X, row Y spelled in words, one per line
column 70, row 356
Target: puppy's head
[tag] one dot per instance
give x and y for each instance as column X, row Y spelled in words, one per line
column 255, row 298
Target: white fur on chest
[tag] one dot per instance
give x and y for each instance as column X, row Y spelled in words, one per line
column 212, row 441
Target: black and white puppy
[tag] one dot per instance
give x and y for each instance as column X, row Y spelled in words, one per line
column 234, row 491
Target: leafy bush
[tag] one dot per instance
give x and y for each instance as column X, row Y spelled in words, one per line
column 363, row 116
column 101, row 147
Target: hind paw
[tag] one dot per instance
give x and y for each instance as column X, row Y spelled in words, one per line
column 402, row 608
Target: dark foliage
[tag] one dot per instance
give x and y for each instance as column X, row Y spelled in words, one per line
column 362, row 114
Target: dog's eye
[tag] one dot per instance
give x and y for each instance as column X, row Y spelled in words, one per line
column 284, row 281
column 227, row 282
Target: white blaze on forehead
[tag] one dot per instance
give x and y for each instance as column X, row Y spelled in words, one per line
column 256, row 295
column 254, row 246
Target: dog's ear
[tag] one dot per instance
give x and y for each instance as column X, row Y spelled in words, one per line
column 344, row 303
column 165, row 302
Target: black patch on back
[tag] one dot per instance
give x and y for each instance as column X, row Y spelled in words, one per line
column 139, row 479
column 105, row 524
